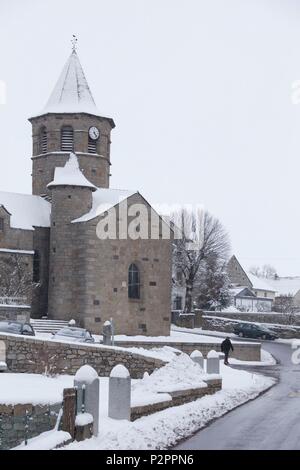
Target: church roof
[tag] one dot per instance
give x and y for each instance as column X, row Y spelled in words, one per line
column 26, row 211
column 103, row 200
column 71, row 93
column 70, row 175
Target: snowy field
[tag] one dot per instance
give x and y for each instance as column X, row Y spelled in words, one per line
column 158, row 431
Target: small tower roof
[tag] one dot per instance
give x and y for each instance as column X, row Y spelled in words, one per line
column 70, row 175
column 71, row 93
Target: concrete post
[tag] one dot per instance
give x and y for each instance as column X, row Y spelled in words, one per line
column 119, row 395
column 88, row 394
column 213, row 363
column 197, row 357
column 107, row 333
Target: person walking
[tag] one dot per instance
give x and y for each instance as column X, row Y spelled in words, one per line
column 226, row 346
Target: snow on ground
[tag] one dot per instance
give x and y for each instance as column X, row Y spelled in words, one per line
column 162, row 429
column 45, row 441
column 266, row 360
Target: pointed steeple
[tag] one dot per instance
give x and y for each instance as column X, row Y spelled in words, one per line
column 71, row 93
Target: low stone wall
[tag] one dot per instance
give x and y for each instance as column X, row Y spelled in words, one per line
column 179, row 397
column 262, row 317
column 243, row 351
column 227, row 325
column 26, row 354
column 15, row 312
column 13, row 422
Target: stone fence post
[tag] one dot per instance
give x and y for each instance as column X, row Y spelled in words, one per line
column 197, row 357
column 88, row 394
column 69, row 411
column 107, row 333
column 119, row 395
column 213, row 362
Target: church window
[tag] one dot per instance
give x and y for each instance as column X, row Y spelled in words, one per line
column 43, row 140
column 1, row 224
column 92, row 146
column 67, row 139
column 134, row 283
column 36, row 267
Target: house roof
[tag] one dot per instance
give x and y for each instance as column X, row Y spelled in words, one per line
column 286, row 285
column 71, row 93
column 259, row 283
column 27, row 211
column 70, row 175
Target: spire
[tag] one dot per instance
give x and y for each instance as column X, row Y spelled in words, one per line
column 71, row 93
column 70, row 175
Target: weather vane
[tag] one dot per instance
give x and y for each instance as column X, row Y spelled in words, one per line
column 74, row 42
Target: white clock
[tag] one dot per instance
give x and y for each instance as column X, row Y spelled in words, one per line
column 94, row 133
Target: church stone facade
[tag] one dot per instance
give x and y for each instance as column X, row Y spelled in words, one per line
column 54, row 231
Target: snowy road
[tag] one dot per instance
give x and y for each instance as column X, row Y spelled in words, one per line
column 269, row 422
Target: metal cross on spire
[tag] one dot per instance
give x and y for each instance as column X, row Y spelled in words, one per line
column 74, row 43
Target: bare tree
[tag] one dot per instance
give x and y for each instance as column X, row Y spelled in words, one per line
column 15, row 277
column 198, row 236
column 266, row 271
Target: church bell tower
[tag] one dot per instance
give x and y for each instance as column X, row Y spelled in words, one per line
column 70, row 122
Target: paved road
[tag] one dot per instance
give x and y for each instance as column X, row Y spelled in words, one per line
column 270, row 422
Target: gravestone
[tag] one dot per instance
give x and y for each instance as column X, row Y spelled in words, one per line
column 197, row 357
column 213, row 362
column 119, row 395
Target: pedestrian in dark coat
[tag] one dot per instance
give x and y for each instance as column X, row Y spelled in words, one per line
column 226, row 346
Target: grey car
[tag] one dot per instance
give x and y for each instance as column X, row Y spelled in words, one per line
column 78, row 335
column 17, row 328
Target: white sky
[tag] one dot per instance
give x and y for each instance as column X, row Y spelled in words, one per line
column 200, row 91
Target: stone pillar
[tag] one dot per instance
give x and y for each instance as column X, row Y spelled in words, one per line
column 197, row 357
column 107, row 333
column 119, row 395
column 88, row 394
column 213, row 363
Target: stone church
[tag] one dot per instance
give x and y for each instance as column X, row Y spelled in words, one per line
column 77, row 274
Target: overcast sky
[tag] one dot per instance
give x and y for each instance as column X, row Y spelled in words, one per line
column 200, row 91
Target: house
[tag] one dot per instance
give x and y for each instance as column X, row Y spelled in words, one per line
column 287, row 293
column 262, row 290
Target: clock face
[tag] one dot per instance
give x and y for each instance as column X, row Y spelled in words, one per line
column 94, row 133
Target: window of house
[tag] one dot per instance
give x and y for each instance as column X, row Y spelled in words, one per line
column 67, row 139
column 178, row 302
column 43, row 142
column 134, row 283
column 36, row 267
column 92, row 146
column 1, row 224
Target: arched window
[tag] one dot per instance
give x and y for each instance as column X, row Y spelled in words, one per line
column 36, row 267
column 67, row 139
column 134, row 282
column 43, row 142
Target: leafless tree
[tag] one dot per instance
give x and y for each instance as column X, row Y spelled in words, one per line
column 198, row 237
column 15, row 277
column 266, row 271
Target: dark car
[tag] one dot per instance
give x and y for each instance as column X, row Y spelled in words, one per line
column 251, row 330
column 78, row 335
column 17, row 328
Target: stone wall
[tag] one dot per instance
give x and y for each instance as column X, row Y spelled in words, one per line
column 242, row 350
column 227, row 325
column 179, row 397
column 31, row 355
column 14, row 312
column 263, row 317
column 13, row 421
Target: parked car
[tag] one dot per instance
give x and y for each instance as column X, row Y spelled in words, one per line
column 251, row 330
column 3, row 366
column 17, row 328
column 78, row 335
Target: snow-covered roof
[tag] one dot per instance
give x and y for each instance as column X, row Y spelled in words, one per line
column 27, row 211
column 103, row 200
column 260, row 284
column 234, row 291
column 70, row 175
column 71, row 93
column 286, row 285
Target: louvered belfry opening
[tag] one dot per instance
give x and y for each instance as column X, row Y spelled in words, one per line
column 67, row 139
column 43, row 140
column 92, row 146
